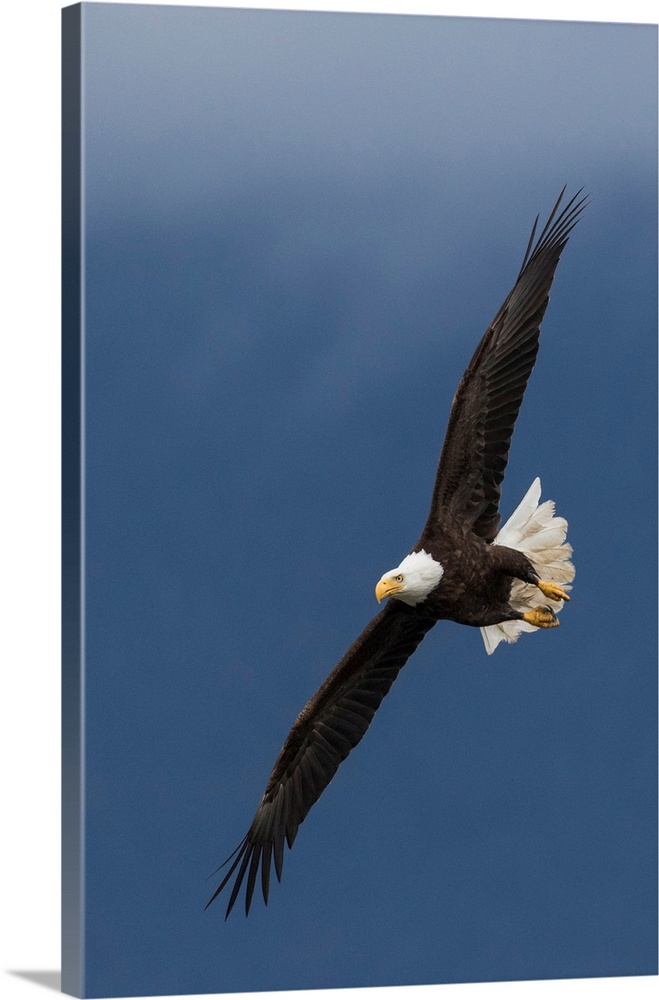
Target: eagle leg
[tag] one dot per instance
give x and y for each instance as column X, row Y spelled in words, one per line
column 552, row 591
column 541, row 618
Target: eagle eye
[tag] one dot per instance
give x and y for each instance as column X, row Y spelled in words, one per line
column 399, row 578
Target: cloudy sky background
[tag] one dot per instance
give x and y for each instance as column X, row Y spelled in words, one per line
column 372, row 261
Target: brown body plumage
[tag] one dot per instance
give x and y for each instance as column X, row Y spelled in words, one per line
column 477, row 577
column 475, row 587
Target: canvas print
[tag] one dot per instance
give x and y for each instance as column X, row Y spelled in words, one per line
column 323, row 432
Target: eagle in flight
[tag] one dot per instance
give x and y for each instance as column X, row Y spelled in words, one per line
column 504, row 581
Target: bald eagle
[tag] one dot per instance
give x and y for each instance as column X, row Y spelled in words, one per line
column 463, row 567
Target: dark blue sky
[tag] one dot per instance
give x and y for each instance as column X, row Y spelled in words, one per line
column 297, row 228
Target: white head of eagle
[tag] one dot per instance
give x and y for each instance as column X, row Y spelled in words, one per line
column 413, row 580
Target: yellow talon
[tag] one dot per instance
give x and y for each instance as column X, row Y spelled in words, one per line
column 552, row 591
column 541, row 618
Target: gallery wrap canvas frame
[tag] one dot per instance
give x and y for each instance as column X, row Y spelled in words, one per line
column 283, row 235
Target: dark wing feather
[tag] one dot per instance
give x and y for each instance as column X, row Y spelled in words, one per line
column 486, row 404
column 324, row 733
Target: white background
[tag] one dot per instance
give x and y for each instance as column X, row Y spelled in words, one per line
column 29, row 488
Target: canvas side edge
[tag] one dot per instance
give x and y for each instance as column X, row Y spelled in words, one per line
column 72, row 904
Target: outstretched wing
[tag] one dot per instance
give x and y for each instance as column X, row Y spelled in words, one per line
column 486, row 404
column 324, row 733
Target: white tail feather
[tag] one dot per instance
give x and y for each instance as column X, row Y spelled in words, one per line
column 534, row 529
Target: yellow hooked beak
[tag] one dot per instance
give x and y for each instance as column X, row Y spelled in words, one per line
column 387, row 587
